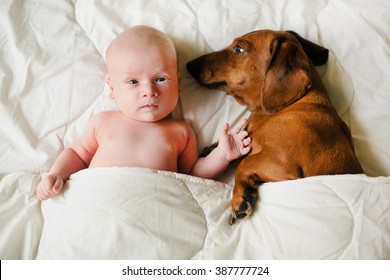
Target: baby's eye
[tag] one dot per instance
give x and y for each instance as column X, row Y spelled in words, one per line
column 160, row 79
column 133, row 82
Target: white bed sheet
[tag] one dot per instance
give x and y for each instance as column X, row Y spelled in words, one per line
column 133, row 213
column 52, row 79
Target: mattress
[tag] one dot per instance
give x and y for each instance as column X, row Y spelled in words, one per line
column 52, row 80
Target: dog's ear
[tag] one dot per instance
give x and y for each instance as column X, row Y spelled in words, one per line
column 317, row 54
column 287, row 77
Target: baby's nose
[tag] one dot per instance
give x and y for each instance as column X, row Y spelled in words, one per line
column 148, row 89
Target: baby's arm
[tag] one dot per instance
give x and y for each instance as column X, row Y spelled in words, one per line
column 230, row 147
column 67, row 163
column 72, row 159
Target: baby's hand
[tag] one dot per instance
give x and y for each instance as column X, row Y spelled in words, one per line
column 236, row 143
column 49, row 186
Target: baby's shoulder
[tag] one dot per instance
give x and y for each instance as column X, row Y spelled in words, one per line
column 102, row 118
column 179, row 127
column 104, row 115
column 179, row 124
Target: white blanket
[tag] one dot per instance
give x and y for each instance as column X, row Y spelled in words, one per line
column 123, row 213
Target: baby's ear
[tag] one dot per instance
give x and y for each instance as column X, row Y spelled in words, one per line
column 178, row 77
column 111, row 94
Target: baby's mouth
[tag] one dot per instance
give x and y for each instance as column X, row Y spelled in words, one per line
column 150, row 106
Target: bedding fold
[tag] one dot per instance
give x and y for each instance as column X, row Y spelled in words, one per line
column 122, row 214
column 133, row 213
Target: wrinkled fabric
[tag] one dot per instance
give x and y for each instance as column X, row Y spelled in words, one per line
column 134, row 213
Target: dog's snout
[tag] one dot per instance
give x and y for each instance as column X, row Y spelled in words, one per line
column 197, row 70
column 216, row 85
column 203, row 72
column 194, row 67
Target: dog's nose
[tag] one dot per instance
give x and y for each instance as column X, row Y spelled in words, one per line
column 204, row 74
column 193, row 67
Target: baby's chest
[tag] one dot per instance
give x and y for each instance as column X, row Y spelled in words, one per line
column 136, row 140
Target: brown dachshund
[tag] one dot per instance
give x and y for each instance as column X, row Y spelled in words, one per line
column 295, row 130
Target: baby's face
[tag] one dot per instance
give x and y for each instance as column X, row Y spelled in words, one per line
column 144, row 84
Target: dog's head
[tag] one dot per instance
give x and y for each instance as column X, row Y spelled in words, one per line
column 265, row 70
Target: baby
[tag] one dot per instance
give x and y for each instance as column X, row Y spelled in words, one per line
column 142, row 76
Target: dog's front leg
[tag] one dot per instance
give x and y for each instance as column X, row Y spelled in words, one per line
column 205, row 152
column 245, row 191
column 252, row 172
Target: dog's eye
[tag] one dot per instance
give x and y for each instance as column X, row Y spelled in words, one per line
column 238, row 50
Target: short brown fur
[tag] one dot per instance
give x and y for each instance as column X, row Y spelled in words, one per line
column 295, row 130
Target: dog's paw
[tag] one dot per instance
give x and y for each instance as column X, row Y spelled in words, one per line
column 246, row 207
column 208, row 149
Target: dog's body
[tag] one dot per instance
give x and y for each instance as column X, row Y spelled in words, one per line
column 295, row 130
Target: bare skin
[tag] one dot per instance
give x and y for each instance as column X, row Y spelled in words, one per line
column 143, row 80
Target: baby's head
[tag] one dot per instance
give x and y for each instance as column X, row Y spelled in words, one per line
column 142, row 73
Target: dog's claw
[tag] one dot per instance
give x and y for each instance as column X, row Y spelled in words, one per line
column 232, row 220
column 240, row 214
